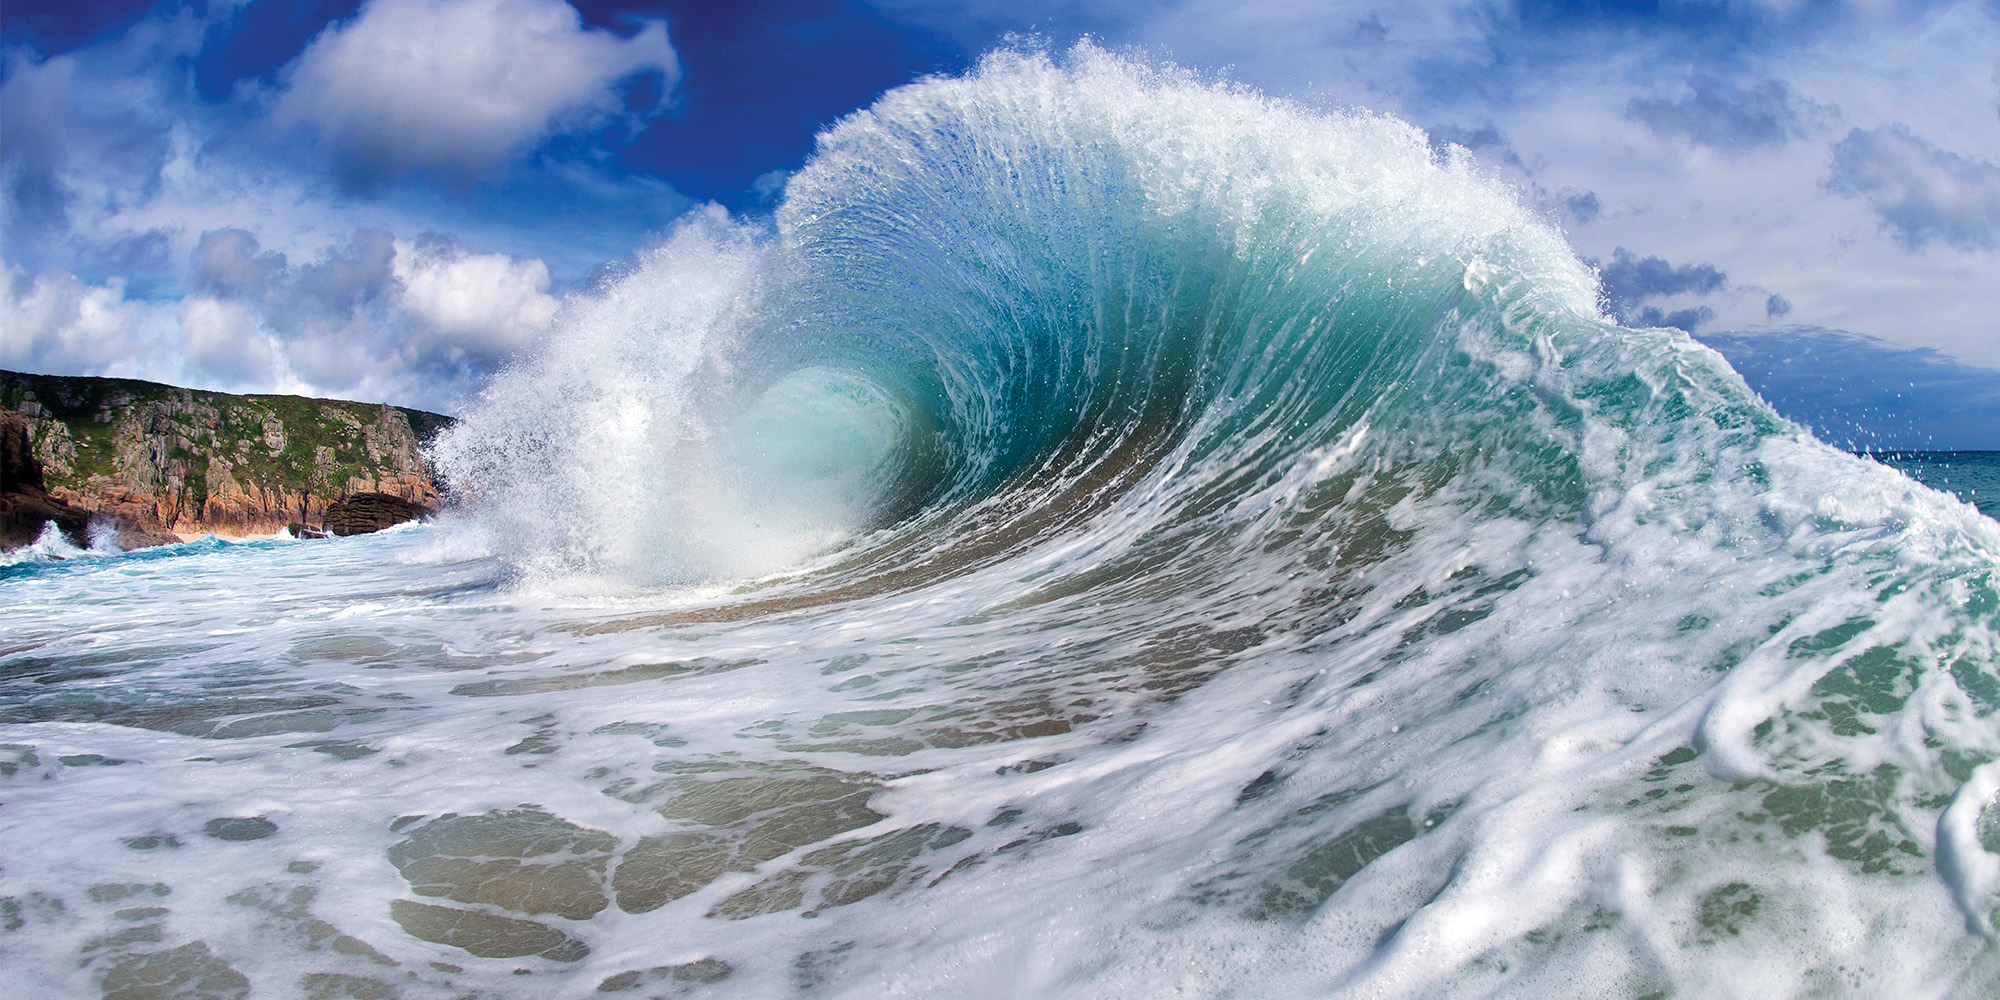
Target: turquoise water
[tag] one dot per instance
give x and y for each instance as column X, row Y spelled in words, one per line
column 1112, row 535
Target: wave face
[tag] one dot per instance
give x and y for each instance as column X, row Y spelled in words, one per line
column 1196, row 388
column 1119, row 535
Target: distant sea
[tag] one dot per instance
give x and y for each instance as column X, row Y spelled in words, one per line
column 1973, row 476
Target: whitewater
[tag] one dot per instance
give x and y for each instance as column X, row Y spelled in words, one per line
column 1113, row 534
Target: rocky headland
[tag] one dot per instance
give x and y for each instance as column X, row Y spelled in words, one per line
column 158, row 463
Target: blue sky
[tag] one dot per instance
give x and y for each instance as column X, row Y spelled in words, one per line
column 385, row 199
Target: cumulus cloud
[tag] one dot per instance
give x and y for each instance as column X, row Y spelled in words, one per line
column 112, row 161
column 1629, row 281
column 45, row 318
column 1720, row 114
column 461, row 85
column 371, row 311
column 1689, row 319
column 481, row 306
column 133, row 243
column 35, row 103
column 78, row 149
column 221, row 338
column 769, row 186
column 1580, row 207
column 1922, row 193
column 230, row 262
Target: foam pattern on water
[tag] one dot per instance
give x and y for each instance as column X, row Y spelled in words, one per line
column 1224, row 552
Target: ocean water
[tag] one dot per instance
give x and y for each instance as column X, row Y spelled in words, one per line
column 1115, row 535
column 1971, row 476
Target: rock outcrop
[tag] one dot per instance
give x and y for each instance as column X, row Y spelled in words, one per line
column 166, row 463
column 367, row 512
column 25, row 504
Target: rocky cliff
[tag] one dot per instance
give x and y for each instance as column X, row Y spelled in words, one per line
column 165, row 463
column 25, row 504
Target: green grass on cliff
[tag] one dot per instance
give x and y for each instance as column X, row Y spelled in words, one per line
column 96, row 453
column 196, row 425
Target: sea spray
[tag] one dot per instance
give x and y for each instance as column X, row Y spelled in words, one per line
column 1116, row 535
column 580, row 458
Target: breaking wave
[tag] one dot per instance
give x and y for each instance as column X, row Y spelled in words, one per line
column 1190, row 381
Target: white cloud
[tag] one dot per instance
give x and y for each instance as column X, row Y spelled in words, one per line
column 230, row 262
column 1923, row 193
column 58, row 323
column 221, row 338
column 484, row 305
column 420, row 321
column 461, row 85
column 35, row 104
column 1720, row 114
column 148, row 232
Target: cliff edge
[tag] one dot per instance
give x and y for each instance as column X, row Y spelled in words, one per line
column 163, row 463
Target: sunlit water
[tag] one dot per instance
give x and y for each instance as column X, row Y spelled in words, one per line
column 1117, row 537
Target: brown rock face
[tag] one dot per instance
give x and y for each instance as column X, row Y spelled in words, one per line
column 363, row 513
column 164, row 463
column 19, row 469
column 24, row 505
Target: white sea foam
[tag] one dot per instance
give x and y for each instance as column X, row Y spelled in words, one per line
column 52, row 545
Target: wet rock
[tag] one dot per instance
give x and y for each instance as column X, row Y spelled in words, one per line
column 289, row 911
column 627, row 980
column 522, row 859
column 112, row 892
column 751, row 819
column 25, row 505
column 364, row 513
column 162, row 463
column 484, row 934
column 152, row 841
column 339, row 986
column 189, row 972
column 847, row 872
column 706, row 971
column 239, row 828
column 89, row 760
column 659, row 870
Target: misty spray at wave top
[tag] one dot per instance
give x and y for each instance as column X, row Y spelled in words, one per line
column 1119, row 536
